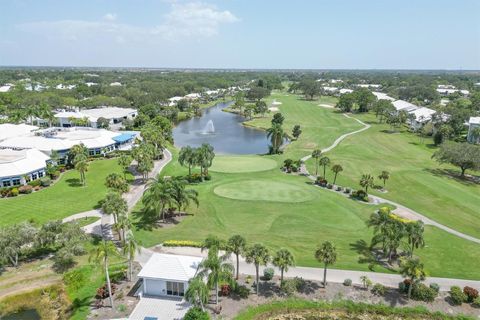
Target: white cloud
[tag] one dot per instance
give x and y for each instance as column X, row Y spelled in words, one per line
column 184, row 20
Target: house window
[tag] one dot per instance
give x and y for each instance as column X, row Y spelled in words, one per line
column 98, row 151
column 16, row 182
column 34, row 176
column 40, row 174
column 175, row 289
column 6, row 183
column 91, row 152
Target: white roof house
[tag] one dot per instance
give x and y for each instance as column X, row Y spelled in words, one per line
column 9, row 130
column 473, row 123
column 343, row 91
column 61, row 86
column 401, row 105
column 113, row 114
column 16, row 165
column 115, row 84
column 369, row 85
column 382, row 96
column 168, row 274
column 193, row 96
column 423, row 114
column 330, row 89
column 446, row 91
column 6, row 87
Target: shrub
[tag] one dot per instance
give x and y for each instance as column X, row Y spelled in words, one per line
column 402, row 287
column 182, row 243
column 34, row 183
column 248, row 279
column 288, row 287
column 360, row 195
column 366, row 282
column 14, row 192
column 457, row 296
column 435, row 287
column 45, row 181
column 347, row 190
column 476, row 302
column 225, row 290
column 329, row 186
column 268, row 274
column 102, row 292
column 241, row 291
column 26, row 189
column 347, row 282
column 339, row 188
column 194, row 178
column 207, row 177
column 421, row 292
column 196, row 313
column 321, row 181
column 378, row 289
column 471, row 293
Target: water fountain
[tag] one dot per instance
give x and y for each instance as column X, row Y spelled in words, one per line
column 209, row 128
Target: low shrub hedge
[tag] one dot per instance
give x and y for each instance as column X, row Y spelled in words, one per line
column 457, row 296
column 182, row 243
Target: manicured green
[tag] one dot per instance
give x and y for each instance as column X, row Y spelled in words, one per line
column 236, row 164
column 416, row 180
column 66, row 197
column 86, row 221
column 254, row 190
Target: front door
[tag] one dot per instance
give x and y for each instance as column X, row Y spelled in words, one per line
column 175, row 289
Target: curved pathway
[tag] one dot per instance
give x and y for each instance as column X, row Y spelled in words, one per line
column 400, row 210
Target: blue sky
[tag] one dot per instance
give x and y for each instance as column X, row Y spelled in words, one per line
column 342, row 34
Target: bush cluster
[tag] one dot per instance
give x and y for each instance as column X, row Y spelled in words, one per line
column 196, row 313
column 457, row 296
column 102, row 292
column 360, row 195
column 182, row 243
column 421, row 292
column 290, row 286
column 321, row 181
column 379, row 290
column 471, row 293
column 347, row 282
column 241, row 291
column 197, row 178
column 268, row 274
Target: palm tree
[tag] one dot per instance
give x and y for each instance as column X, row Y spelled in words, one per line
column 212, row 243
column 258, row 255
column 115, row 205
column 336, row 169
column 385, row 175
column 123, row 224
column 236, row 245
column 324, row 161
column 216, row 268
column 158, row 196
column 283, row 259
column 204, row 157
column 327, row 255
column 82, row 166
column 116, row 182
column 187, row 157
column 276, row 135
column 316, row 155
column 124, row 161
column 197, row 292
column 182, row 196
column 100, row 254
column 415, row 235
column 366, row 181
column 130, row 248
column 412, row 268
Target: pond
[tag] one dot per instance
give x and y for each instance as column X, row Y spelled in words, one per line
column 223, row 130
column 30, row 314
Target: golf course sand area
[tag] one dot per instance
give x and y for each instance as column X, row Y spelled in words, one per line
column 240, row 164
column 264, row 190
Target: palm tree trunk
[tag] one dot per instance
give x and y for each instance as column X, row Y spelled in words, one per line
column 325, row 276
column 316, row 167
column 410, row 289
column 335, row 179
column 324, row 168
column 109, row 285
column 281, row 275
column 238, row 266
column 216, row 292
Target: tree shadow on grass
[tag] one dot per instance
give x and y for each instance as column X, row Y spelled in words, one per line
column 368, row 256
column 468, row 180
column 74, row 182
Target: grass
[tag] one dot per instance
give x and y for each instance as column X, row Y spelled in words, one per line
column 236, row 164
column 86, row 221
column 416, row 181
column 64, row 198
column 263, row 190
column 338, row 310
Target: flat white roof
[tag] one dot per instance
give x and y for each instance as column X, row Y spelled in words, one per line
column 63, row 139
column 170, row 267
column 474, row 120
column 20, row 162
column 93, row 114
column 423, row 114
column 382, row 96
column 9, row 130
column 368, row 85
column 404, row 105
column 343, row 91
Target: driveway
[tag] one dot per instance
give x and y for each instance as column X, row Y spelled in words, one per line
column 164, row 308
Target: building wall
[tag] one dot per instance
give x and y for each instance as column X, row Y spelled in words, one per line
column 7, row 182
column 158, row 287
column 470, row 133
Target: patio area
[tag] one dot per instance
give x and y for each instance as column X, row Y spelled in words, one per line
column 156, row 308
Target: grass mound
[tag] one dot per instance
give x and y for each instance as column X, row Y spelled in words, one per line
column 262, row 190
column 239, row 164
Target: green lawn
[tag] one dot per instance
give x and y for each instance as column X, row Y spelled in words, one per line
column 66, row 197
column 416, row 181
column 236, row 164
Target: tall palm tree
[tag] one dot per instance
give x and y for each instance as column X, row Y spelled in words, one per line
column 276, row 135
column 82, row 166
column 116, row 182
column 258, row 255
column 327, row 255
column 123, row 224
column 413, row 269
column 212, row 243
column 197, row 292
column 115, row 205
column 100, row 254
column 336, row 169
column 216, row 268
column 283, row 259
column 186, row 157
column 324, row 162
column 182, row 196
column 385, row 175
column 130, row 248
column 415, row 235
column 204, row 157
column 236, row 245
column 158, row 195
column 124, row 161
column 366, row 181
column 316, row 155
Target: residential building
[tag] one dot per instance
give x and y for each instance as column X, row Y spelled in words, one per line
column 114, row 115
column 382, row 96
column 473, row 130
column 401, row 105
column 17, row 167
column 422, row 116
